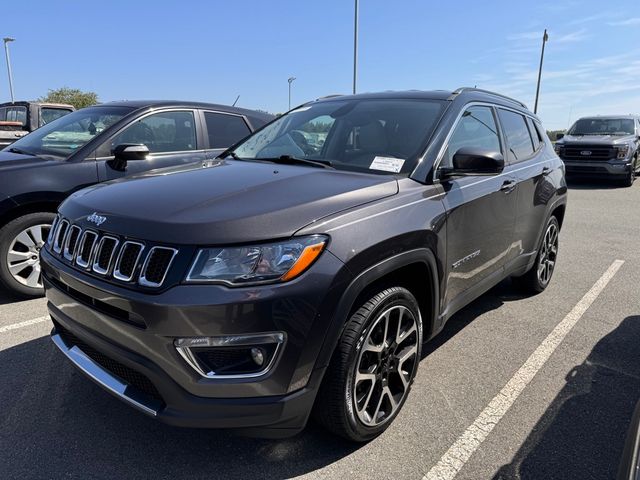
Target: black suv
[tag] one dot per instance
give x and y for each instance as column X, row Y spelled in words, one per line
column 93, row 145
column 305, row 266
column 602, row 147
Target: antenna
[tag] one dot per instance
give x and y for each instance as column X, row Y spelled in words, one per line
column 234, row 103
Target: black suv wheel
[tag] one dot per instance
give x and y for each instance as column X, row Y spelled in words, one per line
column 20, row 244
column 373, row 367
column 539, row 276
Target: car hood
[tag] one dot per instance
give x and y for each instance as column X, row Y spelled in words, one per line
column 595, row 139
column 9, row 160
column 224, row 202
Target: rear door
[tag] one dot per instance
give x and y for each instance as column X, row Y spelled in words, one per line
column 531, row 165
column 223, row 130
column 172, row 137
column 480, row 210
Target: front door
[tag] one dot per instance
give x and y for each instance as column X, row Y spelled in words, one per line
column 480, row 211
column 171, row 137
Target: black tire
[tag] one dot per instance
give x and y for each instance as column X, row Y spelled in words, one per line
column 531, row 282
column 8, row 234
column 631, row 177
column 336, row 404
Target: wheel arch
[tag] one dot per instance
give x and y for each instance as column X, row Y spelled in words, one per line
column 19, row 210
column 404, row 269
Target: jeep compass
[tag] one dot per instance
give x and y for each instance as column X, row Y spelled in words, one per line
column 300, row 272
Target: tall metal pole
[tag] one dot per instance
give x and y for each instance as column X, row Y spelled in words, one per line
column 355, row 48
column 6, row 54
column 290, row 80
column 545, row 37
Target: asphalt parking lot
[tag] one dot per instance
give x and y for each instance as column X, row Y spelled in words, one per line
column 563, row 412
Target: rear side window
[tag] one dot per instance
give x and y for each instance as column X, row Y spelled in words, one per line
column 225, row 130
column 519, row 141
column 476, row 128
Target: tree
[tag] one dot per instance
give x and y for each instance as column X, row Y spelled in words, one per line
column 553, row 134
column 72, row 96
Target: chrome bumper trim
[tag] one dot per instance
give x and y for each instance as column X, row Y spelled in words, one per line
column 101, row 376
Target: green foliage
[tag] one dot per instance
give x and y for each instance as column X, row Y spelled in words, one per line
column 71, row 96
column 553, row 134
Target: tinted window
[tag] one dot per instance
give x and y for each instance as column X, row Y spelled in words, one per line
column 535, row 135
column 518, row 139
column 373, row 135
column 161, row 132
column 3, row 114
column 476, row 128
column 17, row 114
column 48, row 114
column 225, row 130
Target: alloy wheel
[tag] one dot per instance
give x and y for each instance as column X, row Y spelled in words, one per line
column 23, row 258
column 385, row 366
column 548, row 253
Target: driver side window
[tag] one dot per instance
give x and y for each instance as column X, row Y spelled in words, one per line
column 476, row 128
column 162, row 132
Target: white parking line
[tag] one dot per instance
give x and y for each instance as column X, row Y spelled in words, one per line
column 26, row 323
column 459, row 453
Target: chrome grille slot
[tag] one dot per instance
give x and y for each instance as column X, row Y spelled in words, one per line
column 71, row 242
column 127, row 261
column 52, row 232
column 156, row 266
column 104, row 254
column 60, row 234
column 87, row 243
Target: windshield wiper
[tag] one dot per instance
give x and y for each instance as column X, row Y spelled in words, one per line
column 229, row 153
column 21, row 152
column 289, row 160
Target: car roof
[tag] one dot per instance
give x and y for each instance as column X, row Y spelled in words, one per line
column 142, row 104
column 610, row 117
column 466, row 93
column 24, row 103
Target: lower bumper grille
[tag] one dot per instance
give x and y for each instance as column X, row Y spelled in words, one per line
column 126, row 374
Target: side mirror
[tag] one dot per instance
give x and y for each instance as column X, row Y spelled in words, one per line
column 469, row 161
column 130, row 151
column 559, row 136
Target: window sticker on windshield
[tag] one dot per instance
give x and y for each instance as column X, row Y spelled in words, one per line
column 387, row 164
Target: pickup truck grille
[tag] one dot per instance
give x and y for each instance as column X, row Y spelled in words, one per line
column 587, row 153
column 109, row 256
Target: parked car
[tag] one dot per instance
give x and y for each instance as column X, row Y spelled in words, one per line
column 92, row 145
column 287, row 277
column 602, row 147
column 19, row 118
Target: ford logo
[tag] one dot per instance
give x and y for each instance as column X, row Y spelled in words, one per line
column 586, row 153
column 97, row 219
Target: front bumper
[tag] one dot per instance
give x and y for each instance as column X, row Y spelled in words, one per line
column 123, row 340
column 601, row 168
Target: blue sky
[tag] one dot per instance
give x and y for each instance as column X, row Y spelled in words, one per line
column 216, row 50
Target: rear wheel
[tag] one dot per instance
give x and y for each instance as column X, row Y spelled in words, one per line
column 373, row 366
column 539, row 276
column 20, row 244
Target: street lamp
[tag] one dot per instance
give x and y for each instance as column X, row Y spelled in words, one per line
column 545, row 37
column 6, row 41
column 355, row 47
column 290, row 80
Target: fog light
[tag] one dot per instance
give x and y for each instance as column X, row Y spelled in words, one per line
column 234, row 356
column 257, row 355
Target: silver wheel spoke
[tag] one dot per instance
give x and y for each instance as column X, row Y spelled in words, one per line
column 36, row 234
column 392, row 400
column 22, row 258
column 365, row 377
column 25, row 240
column 16, row 268
column 33, row 280
column 18, row 256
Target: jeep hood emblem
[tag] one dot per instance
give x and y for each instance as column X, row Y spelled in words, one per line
column 97, row 219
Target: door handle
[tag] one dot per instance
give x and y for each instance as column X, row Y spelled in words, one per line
column 508, row 186
column 546, row 171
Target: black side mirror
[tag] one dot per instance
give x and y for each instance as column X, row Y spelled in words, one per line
column 130, row 151
column 469, row 161
column 559, row 136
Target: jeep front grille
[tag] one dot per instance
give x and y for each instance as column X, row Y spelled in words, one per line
column 110, row 256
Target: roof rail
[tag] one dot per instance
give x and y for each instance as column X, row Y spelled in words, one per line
column 473, row 89
column 333, row 95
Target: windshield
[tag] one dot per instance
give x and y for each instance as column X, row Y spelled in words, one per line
column 373, row 135
column 602, row 126
column 63, row 136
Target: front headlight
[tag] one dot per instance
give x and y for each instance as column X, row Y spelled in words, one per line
column 558, row 148
column 253, row 264
column 623, row 151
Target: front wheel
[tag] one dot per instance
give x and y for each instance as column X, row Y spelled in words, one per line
column 373, row 366
column 20, row 244
column 631, row 176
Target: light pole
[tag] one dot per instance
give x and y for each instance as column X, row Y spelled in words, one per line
column 6, row 41
column 290, row 80
column 545, row 37
column 355, row 47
